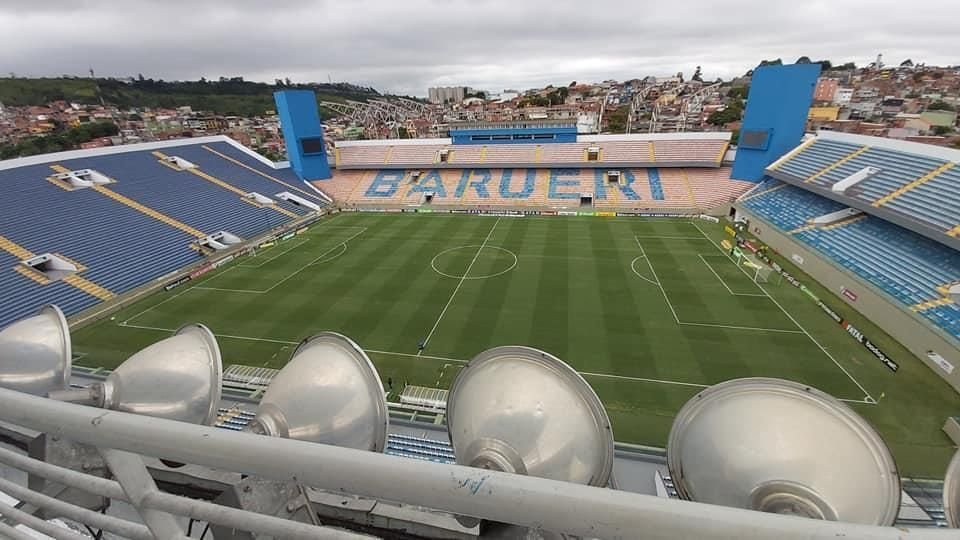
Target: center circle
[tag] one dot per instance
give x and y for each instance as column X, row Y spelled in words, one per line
column 454, row 262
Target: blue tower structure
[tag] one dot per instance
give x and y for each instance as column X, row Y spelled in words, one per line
column 776, row 117
column 303, row 133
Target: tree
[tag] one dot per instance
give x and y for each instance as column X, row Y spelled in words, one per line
column 777, row 62
column 942, row 130
column 937, row 75
column 825, row 65
column 738, row 92
column 803, row 60
column 907, row 63
column 849, row 66
column 697, row 75
column 617, row 120
column 734, row 136
column 725, row 116
column 940, row 106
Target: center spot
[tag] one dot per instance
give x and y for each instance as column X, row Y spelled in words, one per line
column 491, row 261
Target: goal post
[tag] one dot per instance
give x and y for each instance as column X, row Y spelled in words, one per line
column 759, row 271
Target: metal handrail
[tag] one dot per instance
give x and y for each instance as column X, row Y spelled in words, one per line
column 521, row 500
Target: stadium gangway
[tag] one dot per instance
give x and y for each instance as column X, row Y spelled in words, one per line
column 522, row 500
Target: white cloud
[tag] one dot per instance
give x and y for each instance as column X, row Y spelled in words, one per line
column 407, row 46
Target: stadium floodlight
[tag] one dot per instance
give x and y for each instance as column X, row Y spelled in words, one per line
column 782, row 447
column 35, row 354
column 521, row 410
column 177, row 378
column 951, row 492
column 329, row 392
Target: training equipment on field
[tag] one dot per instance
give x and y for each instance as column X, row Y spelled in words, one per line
column 35, row 354
column 951, row 492
column 328, row 393
column 521, row 410
column 782, row 447
column 177, row 378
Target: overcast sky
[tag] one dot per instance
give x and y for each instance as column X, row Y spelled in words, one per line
column 405, row 46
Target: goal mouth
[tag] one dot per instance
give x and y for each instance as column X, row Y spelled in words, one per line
column 51, row 266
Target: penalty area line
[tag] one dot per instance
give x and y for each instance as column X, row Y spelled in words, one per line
column 867, row 397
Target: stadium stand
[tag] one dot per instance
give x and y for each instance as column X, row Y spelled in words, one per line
column 679, row 150
column 138, row 228
column 419, row 448
column 788, row 207
column 914, row 182
column 236, row 419
column 908, row 267
column 671, row 188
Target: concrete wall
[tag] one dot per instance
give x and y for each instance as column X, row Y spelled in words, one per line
column 916, row 335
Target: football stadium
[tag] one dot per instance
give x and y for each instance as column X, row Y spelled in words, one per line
column 767, row 325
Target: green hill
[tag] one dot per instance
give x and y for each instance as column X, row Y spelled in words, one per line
column 232, row 96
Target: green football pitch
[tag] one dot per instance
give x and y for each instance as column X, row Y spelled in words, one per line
column 650, row 311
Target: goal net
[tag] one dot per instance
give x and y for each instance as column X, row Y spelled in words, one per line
column 758, row 270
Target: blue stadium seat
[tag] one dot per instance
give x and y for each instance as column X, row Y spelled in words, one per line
column 816, row 157
column 121, row 247
column 789, row 207
column 946, row 317
column 907, row 266
column 935, row 203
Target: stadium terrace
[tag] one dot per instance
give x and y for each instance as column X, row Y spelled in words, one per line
column 513, row 330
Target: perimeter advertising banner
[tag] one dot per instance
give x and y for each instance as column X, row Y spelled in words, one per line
column 852, row 330
column 176, row 283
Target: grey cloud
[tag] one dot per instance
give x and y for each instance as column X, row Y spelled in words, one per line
column 406, row 46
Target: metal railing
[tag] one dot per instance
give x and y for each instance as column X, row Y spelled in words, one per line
column 123, row 438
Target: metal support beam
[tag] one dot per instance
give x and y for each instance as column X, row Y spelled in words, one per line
column 8, row 532
column 137, row 483
column 196, row 509
column 521, row 500
column 37, row 524
column 134, row 531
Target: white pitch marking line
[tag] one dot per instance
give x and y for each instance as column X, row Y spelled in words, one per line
column 433, row 263
column 634, row 268
column 282, row 253
column 325, row 223
column 724, row 282
column 681, row 323
column 440, row 378
column 158, row 304
column 643, row 379
column 867, row 395
column 277, row 284
column 459, row 284
column 867, row 401
column 656, row 277
column 668, row 237
column 342, row 251
column 752, row 328
column 440, row 358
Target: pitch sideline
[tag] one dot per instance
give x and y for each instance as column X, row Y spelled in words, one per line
column 867, row 397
